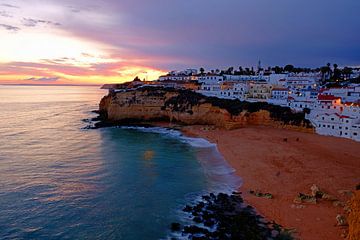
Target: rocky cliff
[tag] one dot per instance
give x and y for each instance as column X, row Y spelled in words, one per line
column 182, row 106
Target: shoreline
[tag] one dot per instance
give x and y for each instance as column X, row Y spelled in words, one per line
column 293, row 166
column 220, row 194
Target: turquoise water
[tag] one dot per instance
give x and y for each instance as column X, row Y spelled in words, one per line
column 61, row 181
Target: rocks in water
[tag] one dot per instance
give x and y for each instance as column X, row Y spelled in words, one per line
column 175, row 227
column 187, row 208
column 225, row 217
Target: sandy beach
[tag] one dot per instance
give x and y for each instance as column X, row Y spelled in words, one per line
column 268, row 163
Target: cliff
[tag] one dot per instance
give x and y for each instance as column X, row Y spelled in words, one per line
column 190, row 108
column 354, row 217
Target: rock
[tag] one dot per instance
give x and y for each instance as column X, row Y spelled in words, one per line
column 329, row 197
column 347, row 193
column 338, row 204
column 150, row 104
column 341, row 220
column 175, row 227
column 303, row 198
column 197, row 219
column 262, row 195
column 315, row 191
column 187, row 208
column 195, row 230
column 229, row 218
column 274, row 233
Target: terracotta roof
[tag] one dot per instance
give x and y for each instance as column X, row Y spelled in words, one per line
column 322, row 97
column 353, row 103
column 280, row 89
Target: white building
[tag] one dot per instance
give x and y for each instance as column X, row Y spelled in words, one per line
column 186, row 75
column 277, row 79
column 210, row 89
column 347, row 94
column 246, row 78
column 333, row 118
column 279, row 96
column 210, row 78
column 300, row 99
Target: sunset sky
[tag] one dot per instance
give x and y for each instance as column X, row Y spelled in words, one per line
column 106, row 41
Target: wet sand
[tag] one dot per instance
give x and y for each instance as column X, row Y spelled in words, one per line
column 267, row 163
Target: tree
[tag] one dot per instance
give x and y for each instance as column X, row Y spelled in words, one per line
column 241, row 70
column 202, row 70
column 277, row 69
column 347, row 72
column 137, row 79
column 289, row 68
column 229, row 70
column 336, row 74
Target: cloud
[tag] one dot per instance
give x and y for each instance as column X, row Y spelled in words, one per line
column 43, row 79
column 9, row 27
column 8, row 5
column 5, row 14
column 30, row 22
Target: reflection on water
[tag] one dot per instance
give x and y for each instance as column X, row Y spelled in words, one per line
column 60, row 181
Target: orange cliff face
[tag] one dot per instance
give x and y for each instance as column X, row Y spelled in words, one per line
column 157, row 104
column 354, row 217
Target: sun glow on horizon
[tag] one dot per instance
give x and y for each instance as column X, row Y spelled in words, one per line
column 55, row 57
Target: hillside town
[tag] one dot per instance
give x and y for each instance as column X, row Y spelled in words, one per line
column 329, row 96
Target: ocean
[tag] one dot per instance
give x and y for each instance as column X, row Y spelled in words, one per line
column 61, row 180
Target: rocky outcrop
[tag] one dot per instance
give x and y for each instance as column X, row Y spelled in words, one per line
column 159, row 104
column 354, row 217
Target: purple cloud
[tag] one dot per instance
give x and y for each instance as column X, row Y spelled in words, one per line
column 43, row 79
column 30, row 22
column 8, row 5
column 9, row 27
column 5, row 14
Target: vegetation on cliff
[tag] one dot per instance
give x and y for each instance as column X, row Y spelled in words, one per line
column 186, row 99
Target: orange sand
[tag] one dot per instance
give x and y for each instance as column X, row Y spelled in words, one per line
column 269, row 164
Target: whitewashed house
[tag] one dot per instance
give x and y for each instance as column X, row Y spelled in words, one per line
column 279, row 96
column 333, row 118
column 210, row 78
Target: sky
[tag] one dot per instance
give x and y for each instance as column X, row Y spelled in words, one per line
column 110, row 41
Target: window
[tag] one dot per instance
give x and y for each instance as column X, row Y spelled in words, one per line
column 355, row 134
column 333, row 127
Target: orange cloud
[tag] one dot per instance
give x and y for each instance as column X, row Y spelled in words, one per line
column 53, row 71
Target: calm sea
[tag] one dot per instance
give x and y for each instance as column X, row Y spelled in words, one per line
column 59, row 180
